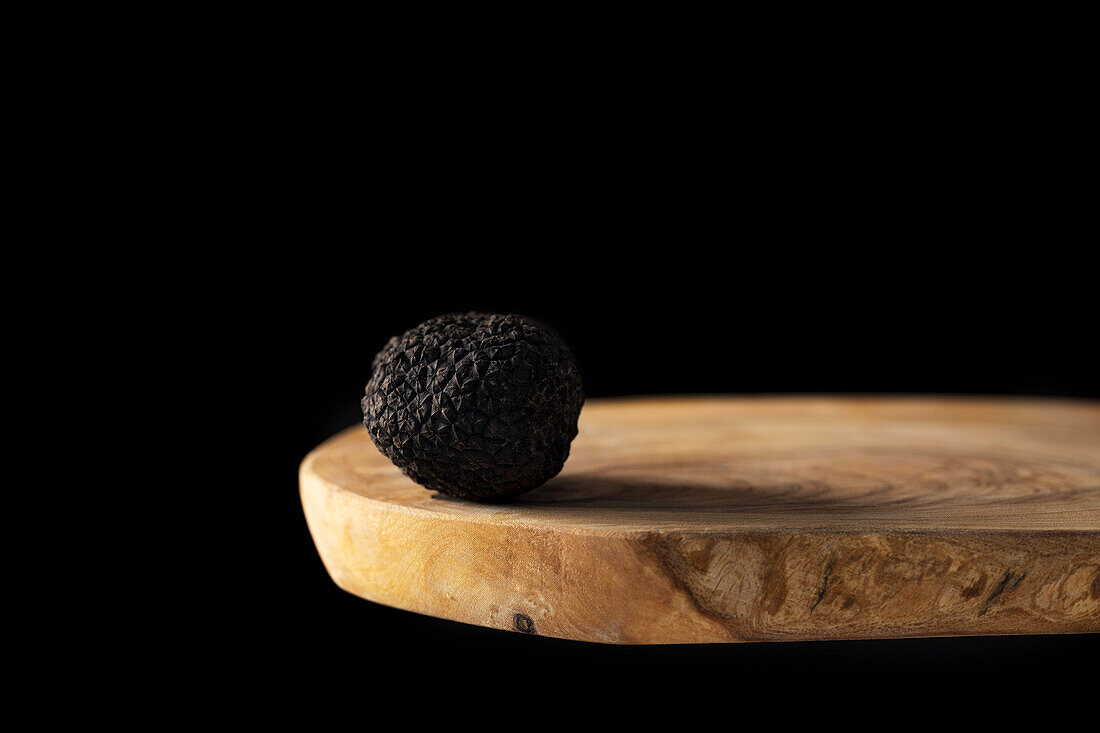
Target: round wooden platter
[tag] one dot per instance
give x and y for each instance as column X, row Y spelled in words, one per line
column 722, row 519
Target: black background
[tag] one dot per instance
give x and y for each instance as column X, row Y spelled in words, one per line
column 864, row 231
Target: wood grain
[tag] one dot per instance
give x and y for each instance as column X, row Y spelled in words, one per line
column 721, row 520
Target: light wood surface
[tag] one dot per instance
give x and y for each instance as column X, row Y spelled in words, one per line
column 719, row 519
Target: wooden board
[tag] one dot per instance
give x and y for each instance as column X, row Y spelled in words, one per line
column 720, row 520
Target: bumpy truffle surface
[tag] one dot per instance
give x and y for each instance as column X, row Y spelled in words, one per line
column 475, row 405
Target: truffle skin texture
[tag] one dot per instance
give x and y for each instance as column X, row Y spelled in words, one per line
column 475, row 405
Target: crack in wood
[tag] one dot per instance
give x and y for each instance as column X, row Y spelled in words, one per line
column 1007, row 584
column 824, row 584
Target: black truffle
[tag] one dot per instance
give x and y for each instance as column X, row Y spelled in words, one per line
column 475, row 405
